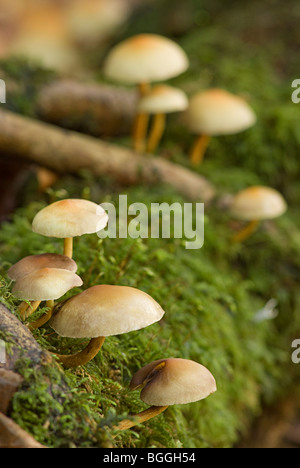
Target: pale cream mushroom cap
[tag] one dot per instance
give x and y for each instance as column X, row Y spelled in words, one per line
column 70, row 218
column 105, row 310
column 145, row 58
column 178, row 381
column 35, row 262
column 217, row 112
column 163, row 99
column 258, row 203
column 45, row 284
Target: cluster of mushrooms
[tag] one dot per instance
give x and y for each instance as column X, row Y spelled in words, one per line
column 105, row 310
column 99, row 311
column 145, row 59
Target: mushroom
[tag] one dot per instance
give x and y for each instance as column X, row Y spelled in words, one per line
column 69, row 218
column 162, row 99
column 216, row 112
column 168, row 382
column 255, row 204
column 32, row 263
column 140, row 60
column 45, row 284
column 102, row 311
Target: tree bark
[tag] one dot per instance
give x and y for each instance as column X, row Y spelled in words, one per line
column 69, row 152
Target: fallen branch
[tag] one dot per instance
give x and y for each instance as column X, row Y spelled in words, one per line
column 69, row 152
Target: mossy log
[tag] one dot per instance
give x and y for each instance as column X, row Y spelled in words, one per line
column 69, row 152
column 20, row 346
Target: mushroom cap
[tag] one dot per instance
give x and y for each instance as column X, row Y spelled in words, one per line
column 45, row 284
column 145, row 58
column 218, row 112
column 35, row 262
column 105, row 310
column 258, row 203
column 173, row 381
column 70, row 218
column 163, row 99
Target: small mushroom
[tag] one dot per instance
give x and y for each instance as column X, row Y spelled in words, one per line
column 102, row 311
column 255, row 204
column 45, row 284
column 168, row 382
column 32, row 263
column 161, row 100
column 69, row 218
column 141, row 60
column 216, row 112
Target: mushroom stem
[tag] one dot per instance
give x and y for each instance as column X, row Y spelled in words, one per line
column 84, row 356
column 140, row 417
column 198, row 149
column 246, row 232
column 140, row 131
column 44, row 318
column 144, row 89
column 22, row 309
column 27, row 311
column 141, row 122
column 157, row 131
column 68, row 247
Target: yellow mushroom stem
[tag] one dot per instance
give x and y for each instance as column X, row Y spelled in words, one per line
column 156, row 133
column 68, row 247
column 140, row 417
column 198, row 149
column 141, row 122
column 140, row 132
column 22, row 309
column 243, row 234
column 84, row 356
column 27, row 311
column 44, row 318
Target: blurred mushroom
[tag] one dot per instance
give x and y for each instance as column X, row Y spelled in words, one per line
column 69, row 218
column 162, row 99
column 92, row 21
column 43, row 36
column 140, row 60
column 45, row 284
column 101, row 311
column 168, row 382
column 255, row 204
column 216, row 112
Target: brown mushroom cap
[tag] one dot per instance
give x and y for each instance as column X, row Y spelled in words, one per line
column 218, row 112
column 35, row 262
column 258, row 203
column 105, row 310
column 163, row 99
column 45, row 284
column 69, row 218
column 173, row 381
column 145, row 58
